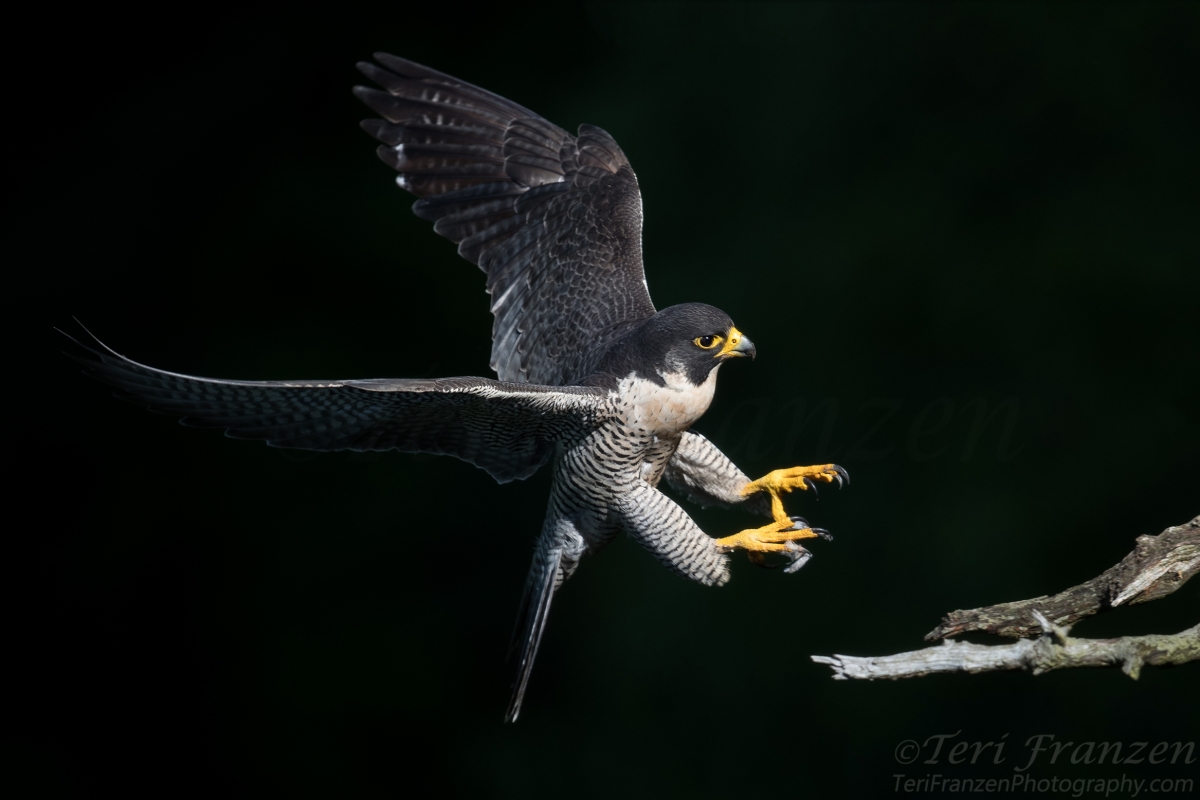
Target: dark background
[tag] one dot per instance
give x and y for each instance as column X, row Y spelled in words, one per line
column 963, row 237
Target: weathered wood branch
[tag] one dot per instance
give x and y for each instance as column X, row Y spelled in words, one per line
column 1055, row 650
column 1157, row 567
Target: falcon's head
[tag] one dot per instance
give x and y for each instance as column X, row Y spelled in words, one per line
column 690, row 340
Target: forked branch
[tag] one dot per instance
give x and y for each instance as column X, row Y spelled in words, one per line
column 1157, row 567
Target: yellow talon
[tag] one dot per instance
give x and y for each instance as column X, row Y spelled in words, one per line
column 785, row 480
column 773, row 538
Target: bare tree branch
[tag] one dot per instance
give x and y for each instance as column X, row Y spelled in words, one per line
column 1157, row 567
column 1053, row 651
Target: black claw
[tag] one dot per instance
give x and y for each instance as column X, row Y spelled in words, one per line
column 811, row 485
column 841, row 474
column 800, row 523
column 799, row 557
column 824, row 534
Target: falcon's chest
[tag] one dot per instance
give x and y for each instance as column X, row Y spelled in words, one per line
column 666, row 409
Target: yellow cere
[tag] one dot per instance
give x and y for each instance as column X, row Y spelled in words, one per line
column 735, row 338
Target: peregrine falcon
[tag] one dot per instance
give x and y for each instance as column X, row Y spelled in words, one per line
column 591, row 379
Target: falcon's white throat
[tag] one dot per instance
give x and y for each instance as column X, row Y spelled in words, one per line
column 665, row 410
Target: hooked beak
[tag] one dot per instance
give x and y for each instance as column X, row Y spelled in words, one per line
column 737, row 344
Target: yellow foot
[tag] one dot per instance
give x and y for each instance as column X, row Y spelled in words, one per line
column 785, row 480
column 777, row 537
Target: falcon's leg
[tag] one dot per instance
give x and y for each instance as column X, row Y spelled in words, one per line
column 785, row 480
column 708, row 477
column 665, row 529
column 557, row 554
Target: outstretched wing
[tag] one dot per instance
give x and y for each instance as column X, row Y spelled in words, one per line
column 554, row 220
column 508, row 429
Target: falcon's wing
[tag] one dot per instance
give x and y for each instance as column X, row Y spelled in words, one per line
column 554, row 220
column 507, row 429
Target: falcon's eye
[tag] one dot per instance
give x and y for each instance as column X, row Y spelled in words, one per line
column 707, row 342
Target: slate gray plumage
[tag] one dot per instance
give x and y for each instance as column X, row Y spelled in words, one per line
column 592, row 379
column 554, row 220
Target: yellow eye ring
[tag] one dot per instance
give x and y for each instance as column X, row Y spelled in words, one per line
column 708, row 342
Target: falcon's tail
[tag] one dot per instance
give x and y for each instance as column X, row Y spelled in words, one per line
column 535, row 608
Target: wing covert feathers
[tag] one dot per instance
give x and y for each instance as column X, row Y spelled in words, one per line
column 554, row 220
